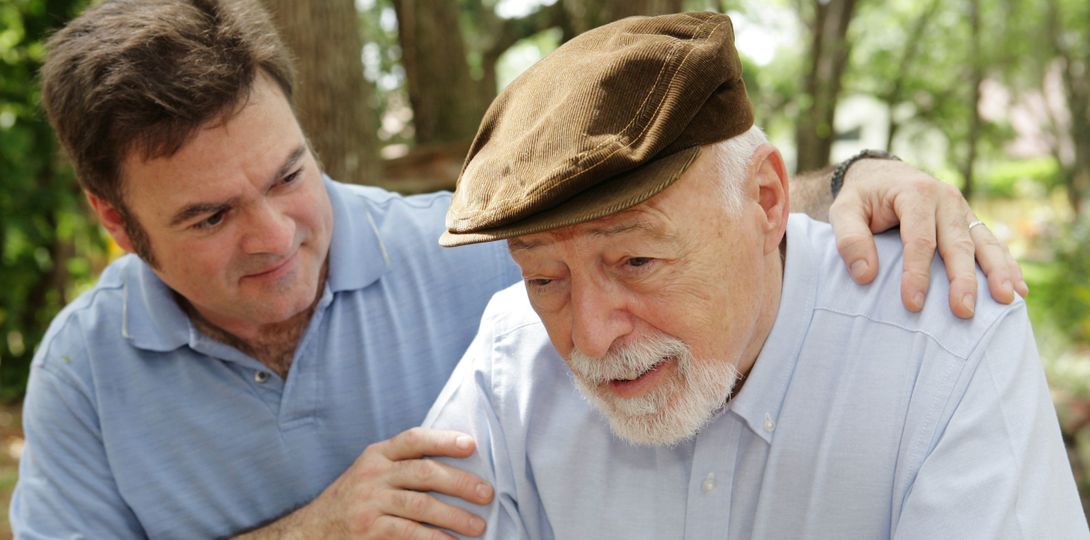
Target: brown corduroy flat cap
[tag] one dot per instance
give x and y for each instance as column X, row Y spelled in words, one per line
column 603, row 123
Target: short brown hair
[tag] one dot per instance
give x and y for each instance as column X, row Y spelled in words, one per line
column 145, row 75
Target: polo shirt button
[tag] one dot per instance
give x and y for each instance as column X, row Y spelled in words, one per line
column 261, row 376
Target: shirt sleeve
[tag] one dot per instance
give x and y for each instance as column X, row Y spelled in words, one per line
column 467, row 404
column 65, row 488
column 999, row 469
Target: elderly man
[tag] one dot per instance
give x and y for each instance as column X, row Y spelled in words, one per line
column 729, row 380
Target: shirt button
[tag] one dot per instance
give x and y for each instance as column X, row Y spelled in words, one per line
column 261, row 376
column 709, row 483
column 769, row 424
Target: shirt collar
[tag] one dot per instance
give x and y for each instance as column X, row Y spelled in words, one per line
column 153, row 320
column 357, row 255
column 762, row 396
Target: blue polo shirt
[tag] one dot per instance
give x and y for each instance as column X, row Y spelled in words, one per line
column 138, row 425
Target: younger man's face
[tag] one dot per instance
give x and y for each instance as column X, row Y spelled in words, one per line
column 238, row 219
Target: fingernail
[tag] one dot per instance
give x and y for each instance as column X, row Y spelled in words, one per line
column 859, row 268
column 463, row 442
column 476, row 524
column 969, row 301
column 918, row 300
column 1023, row 287
column 1008, row 289
column 483, row 491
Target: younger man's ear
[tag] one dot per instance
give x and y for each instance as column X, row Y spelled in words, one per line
column 112, row 219
column 771, row 176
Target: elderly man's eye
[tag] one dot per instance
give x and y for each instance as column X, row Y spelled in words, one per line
column 638, row 261
column 538, row 282
column 292, row 177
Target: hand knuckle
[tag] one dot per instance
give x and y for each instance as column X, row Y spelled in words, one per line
column 993, row 243
column 962, row 245
column 849, row 241
column 368, row 520
column 465, row 482
column 840, row 203
column 947, row 191
column 411, row 503
column 411, row 437
column 922, row 245
column 425, row 470
column 421, row 533
column 371, row 452
column 370, row 467
column 916, row 276
column 925, row 187
column 393, row 528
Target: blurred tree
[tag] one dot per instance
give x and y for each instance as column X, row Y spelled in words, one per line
column 910, row 67
column 48, row 243
column 1067, row 33
column 448, row 92
column 827, row 22
column 582, row 15
column 898, row 78
column 332, row 98
column 489, row 36
column 449, row 53
column 976, row 78
column 446, row 103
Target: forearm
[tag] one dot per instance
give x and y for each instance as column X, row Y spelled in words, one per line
column 809, row 193
column 287, row 527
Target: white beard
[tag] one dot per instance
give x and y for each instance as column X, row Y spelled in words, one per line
column 675, row 410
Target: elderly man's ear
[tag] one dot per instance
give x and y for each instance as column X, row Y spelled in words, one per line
column 771, row 182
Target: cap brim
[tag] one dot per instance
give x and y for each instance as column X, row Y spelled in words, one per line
column 619, row 193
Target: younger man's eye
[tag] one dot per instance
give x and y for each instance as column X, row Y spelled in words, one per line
column 211, row 221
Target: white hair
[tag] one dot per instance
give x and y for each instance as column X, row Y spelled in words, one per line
column 732, row 158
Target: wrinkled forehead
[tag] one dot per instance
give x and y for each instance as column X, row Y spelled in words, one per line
column 641, row 221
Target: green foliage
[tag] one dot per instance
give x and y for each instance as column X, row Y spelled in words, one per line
column 48, row 244
column 1061, row 291
column 1007, row 180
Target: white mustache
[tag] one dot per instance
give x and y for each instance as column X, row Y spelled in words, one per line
column 628, row 361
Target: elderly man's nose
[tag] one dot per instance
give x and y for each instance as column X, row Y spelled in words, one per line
column 598, row 320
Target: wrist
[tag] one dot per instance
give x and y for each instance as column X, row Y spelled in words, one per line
column 836, row 182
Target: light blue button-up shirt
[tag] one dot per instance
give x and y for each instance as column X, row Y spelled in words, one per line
column 859, row 420
column 137, row 425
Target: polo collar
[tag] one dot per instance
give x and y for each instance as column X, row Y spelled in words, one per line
column 357, row 255
column 761, row 399
column 153, row 321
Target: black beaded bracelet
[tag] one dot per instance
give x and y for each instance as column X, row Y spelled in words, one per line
column 838, row 173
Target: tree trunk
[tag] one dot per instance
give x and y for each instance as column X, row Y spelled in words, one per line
column 446, row 103
column 1075, row 65
column 829, row 50
column 913, row 42
column 582, row 15
column 977, row 78
column 332, row 98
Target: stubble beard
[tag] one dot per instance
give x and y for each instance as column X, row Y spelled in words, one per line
column 672, row 412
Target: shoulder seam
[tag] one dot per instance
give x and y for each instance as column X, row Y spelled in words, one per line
column 976, row 343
